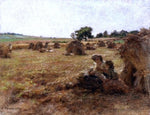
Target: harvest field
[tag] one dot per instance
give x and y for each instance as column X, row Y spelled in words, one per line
column 44, row 83
column 74, row 57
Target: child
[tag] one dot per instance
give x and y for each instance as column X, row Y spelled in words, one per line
column 109, row 72
column 113, row 84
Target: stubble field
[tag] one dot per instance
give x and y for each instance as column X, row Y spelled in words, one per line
column 43, row 83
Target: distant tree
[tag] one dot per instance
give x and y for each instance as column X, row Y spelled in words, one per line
column 105, row 34
column 84, row 33
column 8, row 33
column 123, row 33
column 73, row 36
column 99, row 35
column 134, row 32
column 92, row 36
column 114, row 34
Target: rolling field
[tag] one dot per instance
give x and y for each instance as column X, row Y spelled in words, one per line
column 23, row 38
column 42, row 83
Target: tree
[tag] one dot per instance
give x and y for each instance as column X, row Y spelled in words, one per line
column 105, row 33
column 92, row 36
column 114, row 34
column 99, row 35
column 123, row 33
column 134, row 32
column 73, row 36
column 84, row 33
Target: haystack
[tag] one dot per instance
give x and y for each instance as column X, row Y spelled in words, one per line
column 110, row 44
column 75, row 47
column 4, row 51
column 144, row 32
column 101, row 44
column 115, row 86
column 136, row 55
column 38, row 46
column 108, row 86
column 92, row 83
column 90, row 46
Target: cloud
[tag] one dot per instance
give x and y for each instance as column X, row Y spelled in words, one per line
column 61, row 17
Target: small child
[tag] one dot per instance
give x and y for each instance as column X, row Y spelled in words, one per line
column 113, row 84
column 109, row 72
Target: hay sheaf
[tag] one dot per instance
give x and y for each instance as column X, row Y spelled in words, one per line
column 136, row 55
column 75, row 47
column 110, row 44
column 38, row 46
column 4, row 51
column 101, row 44
column 90, row 46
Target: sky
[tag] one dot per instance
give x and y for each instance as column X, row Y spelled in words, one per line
column 59, row 18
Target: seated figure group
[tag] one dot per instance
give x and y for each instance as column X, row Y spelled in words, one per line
column 104, row 70
column 103, row 73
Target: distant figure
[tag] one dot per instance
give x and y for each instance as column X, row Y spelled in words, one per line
column 46, row 45
column 31, row 46
column 38, row 46
column 10, row 47
column 56, row 45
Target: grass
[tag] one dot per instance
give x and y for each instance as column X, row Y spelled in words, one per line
column 60, row 41
column 17, row 39
column 36, row 84
column 119, row 41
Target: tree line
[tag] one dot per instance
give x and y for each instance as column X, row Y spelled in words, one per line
column 9, row 33
column 115, row 33
column 86, row 33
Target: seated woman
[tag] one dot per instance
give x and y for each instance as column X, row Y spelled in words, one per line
column 99, row 67
column 94, row 79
